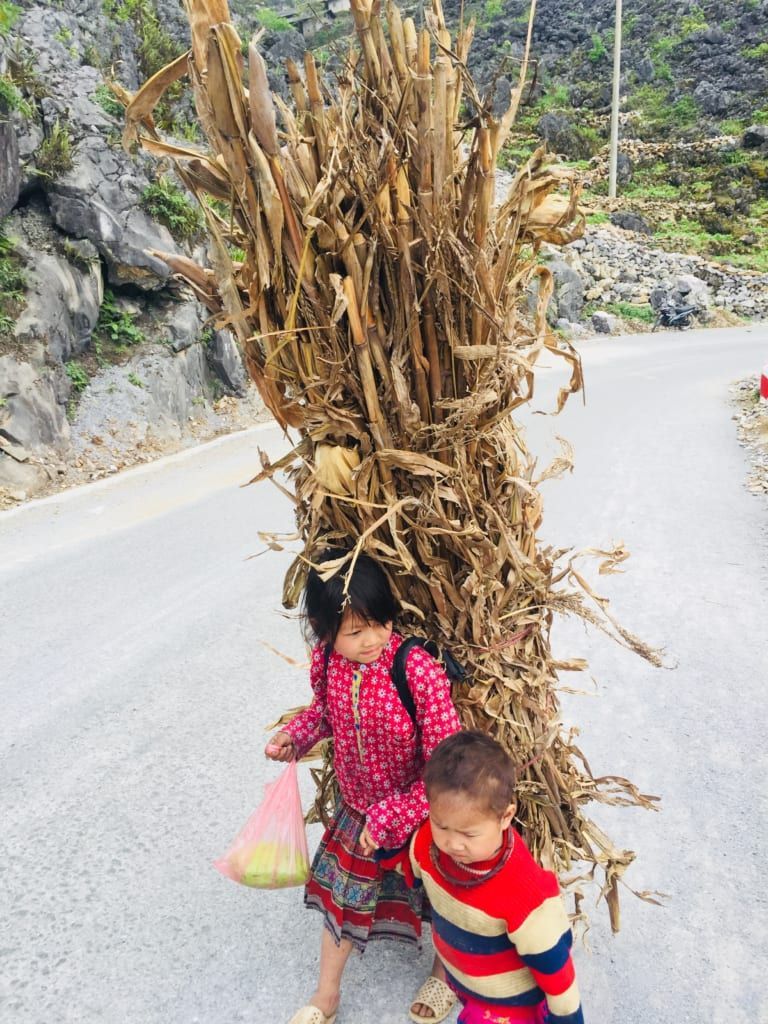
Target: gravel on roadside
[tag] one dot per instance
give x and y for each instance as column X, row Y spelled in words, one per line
column 751, row 418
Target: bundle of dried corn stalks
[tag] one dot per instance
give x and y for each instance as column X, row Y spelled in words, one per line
column 380, row 306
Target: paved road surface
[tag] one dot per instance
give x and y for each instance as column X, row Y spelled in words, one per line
column 136, row 681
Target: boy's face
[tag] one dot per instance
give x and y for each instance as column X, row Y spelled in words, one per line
column 466, row 830
column 361, row 641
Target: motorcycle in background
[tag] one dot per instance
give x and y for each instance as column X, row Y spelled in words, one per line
column 674, row 308
column 678, row 317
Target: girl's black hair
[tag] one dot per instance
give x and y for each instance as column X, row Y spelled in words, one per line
column 369, row 595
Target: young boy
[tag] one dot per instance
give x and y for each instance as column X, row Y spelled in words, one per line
column 498, row 921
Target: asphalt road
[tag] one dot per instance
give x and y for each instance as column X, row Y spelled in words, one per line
column 137, row 677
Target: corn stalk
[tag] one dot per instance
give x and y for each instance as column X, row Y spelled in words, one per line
column 381, row 308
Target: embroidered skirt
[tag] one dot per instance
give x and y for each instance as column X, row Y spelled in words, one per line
column 359, row 900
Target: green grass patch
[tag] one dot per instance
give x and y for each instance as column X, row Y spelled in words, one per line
column 107, row 100
column 659, row 112
column 597, row 218
column 732, row 126
column 166, row 202
column 663, row 46
column 9, row 15
column 735, row 157
column 757, row 261
column 22, row 70
column 598, row 51
column 630, row 311
column 492, row 10
column 272, row 21
column 694, row 21
column 182, row 128
column 116, row 326
column 759, row 52
column 663, row 71
column 11, row 99
column 54, row 156
column 661, row 190
column 12, row 279
column 652, row 101
column 78, row 375
column 12, row 282
column 156, row 47
column 685, row 231
column 684, row 111
column 554, row 99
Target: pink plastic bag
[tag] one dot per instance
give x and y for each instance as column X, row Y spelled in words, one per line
column 270, row 851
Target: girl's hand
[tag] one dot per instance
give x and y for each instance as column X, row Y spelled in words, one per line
column 280, row 747
column 367, row 842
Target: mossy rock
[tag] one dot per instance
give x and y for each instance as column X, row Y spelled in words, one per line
column 725, row 205
column 577, row 142
column 715, row 223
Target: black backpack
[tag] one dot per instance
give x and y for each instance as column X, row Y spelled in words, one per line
column 456, row 673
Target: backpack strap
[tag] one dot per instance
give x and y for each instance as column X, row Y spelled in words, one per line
column 454, row 670
column 397, row 672
column 399, row 677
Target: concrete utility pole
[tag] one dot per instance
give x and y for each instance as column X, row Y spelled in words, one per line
column 613, row 159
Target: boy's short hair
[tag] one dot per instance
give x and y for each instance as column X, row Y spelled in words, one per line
column 472, row 763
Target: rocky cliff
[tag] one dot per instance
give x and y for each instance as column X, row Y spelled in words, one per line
column 86, row 310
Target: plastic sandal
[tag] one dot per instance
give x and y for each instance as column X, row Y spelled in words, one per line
column 311, row 1015
column 438, row 997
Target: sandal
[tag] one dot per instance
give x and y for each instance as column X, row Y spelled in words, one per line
column 311, row 1015
column 438, row 997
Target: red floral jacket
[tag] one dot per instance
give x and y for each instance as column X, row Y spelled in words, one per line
column 385, row 783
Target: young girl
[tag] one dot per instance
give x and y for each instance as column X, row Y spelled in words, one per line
column 379, row 756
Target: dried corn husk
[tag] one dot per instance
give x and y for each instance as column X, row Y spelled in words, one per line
column 382, row 310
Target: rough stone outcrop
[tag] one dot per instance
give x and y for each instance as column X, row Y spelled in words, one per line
column 76, row 223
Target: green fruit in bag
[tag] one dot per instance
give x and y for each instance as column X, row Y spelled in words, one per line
column 274, row 867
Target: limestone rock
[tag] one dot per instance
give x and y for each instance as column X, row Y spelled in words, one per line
column 225, row 361
column 184, row 324
column 624, row 169
column 31, row 415
column 10, row 167
column 629, row 221
column 693, row 290
column 712, row 98
column 755, row 136
column 99, row 200
column 20, row 480
column 604, row 323
column 568, row 298
column 62, row 297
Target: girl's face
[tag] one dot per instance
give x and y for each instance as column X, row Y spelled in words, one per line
column 466, row 830
column 359, row 640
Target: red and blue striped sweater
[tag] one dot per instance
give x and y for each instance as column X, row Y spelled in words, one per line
column 505, row 942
